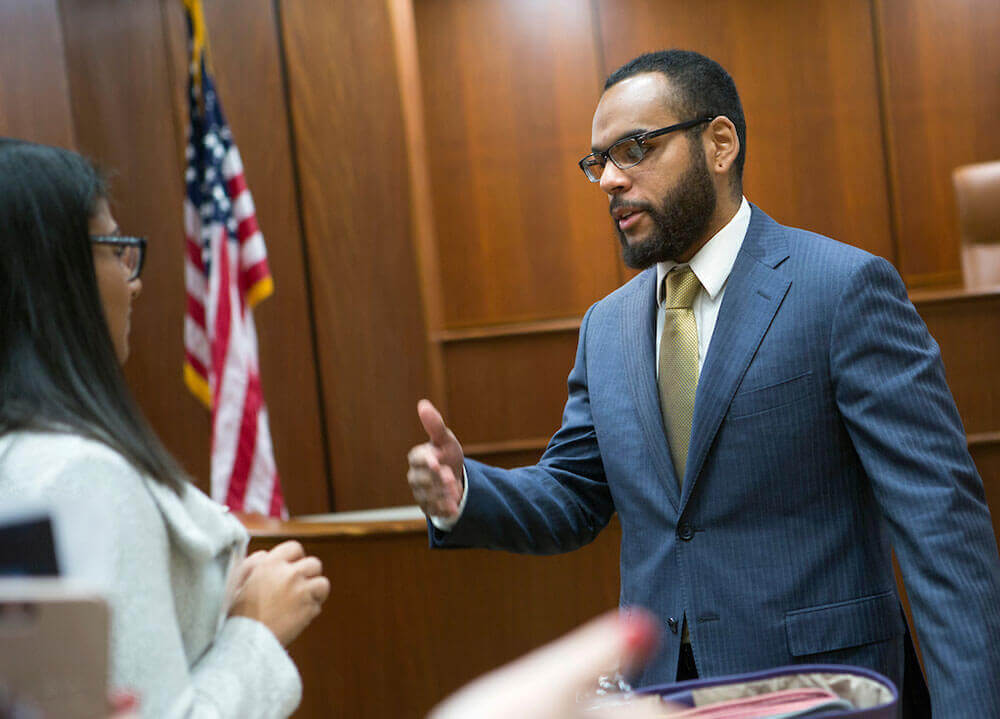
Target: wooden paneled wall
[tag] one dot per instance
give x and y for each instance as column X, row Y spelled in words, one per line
column 349, row 134
column 413, row 166
column 34, row 96
column 941, row 82
column 833, row 91
column 510, row 88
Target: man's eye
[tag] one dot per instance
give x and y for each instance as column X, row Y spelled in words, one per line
column 119, row 250
column 629, row 151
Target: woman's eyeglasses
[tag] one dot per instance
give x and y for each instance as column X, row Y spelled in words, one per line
column 131, row 251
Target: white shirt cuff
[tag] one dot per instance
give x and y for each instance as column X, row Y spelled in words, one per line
column 445, row 524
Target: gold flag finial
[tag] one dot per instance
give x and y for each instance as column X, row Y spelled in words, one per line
column 199, row 37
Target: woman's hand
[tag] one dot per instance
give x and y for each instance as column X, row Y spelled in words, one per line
column 283, row 589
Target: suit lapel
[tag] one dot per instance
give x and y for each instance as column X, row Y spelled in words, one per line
column 638, row 338
column 753, row 294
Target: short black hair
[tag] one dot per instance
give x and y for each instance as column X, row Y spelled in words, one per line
column 58, row 368
column 703, row 88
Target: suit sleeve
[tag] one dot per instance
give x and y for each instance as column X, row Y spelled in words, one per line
column 558, row 505
column 891, row 391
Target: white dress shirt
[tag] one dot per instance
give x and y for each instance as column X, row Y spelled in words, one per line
column 711, row 265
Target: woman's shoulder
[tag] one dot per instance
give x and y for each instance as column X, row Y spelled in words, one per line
column 63, row 467
column 44, row 452
column 99, row 503
column 42, row 464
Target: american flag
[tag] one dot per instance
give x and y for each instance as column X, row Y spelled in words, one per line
column 226, row 274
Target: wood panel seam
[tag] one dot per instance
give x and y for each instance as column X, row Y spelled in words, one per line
column 421, row 203
column 885, row 115
column 293, row 152
column 65, row 69
column 177, row 113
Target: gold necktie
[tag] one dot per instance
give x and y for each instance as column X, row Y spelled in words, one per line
column 678, row 378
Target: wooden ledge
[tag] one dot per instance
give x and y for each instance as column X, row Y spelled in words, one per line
column 375, row 522
column 517, row 329
column 953, row 294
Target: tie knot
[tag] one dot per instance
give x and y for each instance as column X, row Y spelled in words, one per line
column 682, row 286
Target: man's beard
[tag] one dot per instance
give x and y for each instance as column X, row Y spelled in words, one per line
column 681, row 219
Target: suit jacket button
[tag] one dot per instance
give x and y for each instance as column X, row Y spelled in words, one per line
column 672, row 623
column 685, row 532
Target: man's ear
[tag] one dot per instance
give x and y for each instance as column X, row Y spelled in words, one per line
column 722, row 145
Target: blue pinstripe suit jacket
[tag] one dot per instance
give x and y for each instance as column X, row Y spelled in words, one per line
column 824, row 433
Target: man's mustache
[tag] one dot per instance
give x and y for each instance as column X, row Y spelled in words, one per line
column 624, row 205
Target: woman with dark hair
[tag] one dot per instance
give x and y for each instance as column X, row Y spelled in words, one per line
column 196, row 629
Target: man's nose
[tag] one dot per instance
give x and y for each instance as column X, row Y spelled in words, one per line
column 613, row 180
column 135, row 288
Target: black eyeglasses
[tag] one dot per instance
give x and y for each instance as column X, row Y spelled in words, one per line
column 131, row 251
column 629, row 151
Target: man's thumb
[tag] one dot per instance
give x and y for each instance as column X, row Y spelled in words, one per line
column 432, row 421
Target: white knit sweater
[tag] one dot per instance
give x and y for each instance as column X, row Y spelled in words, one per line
column 163, row 561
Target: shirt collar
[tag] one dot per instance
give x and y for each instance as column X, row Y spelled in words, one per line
column 713, row 262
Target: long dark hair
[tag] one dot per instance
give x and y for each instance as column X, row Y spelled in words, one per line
column 58, row 368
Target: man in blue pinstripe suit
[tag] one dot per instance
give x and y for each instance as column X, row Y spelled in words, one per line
column 821, row 433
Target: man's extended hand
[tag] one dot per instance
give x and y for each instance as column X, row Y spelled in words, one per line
column 436, row 467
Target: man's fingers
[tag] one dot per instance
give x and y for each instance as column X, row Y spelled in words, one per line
column 424, row 455
column 434, row 490
column 447, row 476
column 433, row 423
column 419, row 454
column 432, row 476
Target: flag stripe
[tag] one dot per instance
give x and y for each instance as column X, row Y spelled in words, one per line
column 223, row 319
column 247, row 228
column 253, row 276
column 196, row 365
column 253, row 252
column 247, row 438
column 196, row 310
column 194, row 256
column 237, row 184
